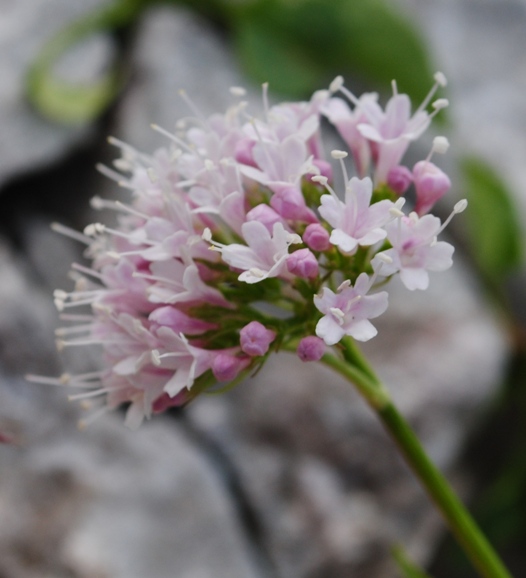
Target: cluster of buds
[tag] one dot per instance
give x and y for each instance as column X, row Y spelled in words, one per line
column 235, row 243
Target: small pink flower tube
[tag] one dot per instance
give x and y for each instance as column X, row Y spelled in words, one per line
column 289, row 203
column 303, row 264
column 316, row 237
column 431, row 184
column 226, row 367
column 265, row 215
column 399, row 179
column 243, row 152
column 311, row 348
column 255, row 339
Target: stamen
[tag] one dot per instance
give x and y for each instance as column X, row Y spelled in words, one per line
column 87, row 271
column 110, row 173
column 324, row 182
column 71, row 233
column 264, row 87
column 336, row 84
column 200, row 116
column 440, row 80
column 457, row 209
column 338, row 313
column 173, row 137
column 394, row 87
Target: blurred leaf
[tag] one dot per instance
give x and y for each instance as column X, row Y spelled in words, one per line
column 494, row 231
column 300, row 45
column 78, row 103
column 407, row 568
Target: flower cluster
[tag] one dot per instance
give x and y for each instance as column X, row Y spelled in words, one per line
column 234, row 243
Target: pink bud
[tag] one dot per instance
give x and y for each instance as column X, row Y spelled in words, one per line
column 264, row 214
column 431, row 184
column 226, row 367
column 316, row 237
column 324, row 168
column 303, row 264
column 399, row 179
column 311, row 348
column 255, row 339
column 289, row 203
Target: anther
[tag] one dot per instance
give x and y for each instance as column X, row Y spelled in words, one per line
column 237, row 91
column 440, row 103
column 336, row 154
column 440, row 145
column 440, row 78
column 336, row 84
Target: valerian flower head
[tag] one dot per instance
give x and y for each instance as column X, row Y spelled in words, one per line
column 235, row 242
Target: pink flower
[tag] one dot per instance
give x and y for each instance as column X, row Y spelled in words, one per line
column 348, row 311
column 355, row 222
column 264, row 256
column 255, row 339
column 392, row 131
column 347, row 123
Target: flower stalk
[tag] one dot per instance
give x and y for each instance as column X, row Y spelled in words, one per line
column 355, row 369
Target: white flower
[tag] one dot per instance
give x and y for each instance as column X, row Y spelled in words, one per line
column 415, row 250
column 348, row 311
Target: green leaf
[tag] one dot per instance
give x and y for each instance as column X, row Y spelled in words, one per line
column 301, row 45
column 70, row 103
column 494, row 231
column 406, row 566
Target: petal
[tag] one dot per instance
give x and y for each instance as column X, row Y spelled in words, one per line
column 414, row 278
column 331, row 210
column 343, row 241
column 362, row 330
column 329, row 330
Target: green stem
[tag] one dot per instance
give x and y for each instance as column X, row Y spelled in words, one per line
column 475, row 545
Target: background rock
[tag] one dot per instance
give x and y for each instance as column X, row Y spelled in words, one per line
column 28, row 141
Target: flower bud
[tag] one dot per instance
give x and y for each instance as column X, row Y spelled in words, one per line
column 289, row 203
column 303, row 264
column 311, row 348
column 316, row 237
column 255, row 339
column 399, row 178
column 431, row 184
column 226, row 367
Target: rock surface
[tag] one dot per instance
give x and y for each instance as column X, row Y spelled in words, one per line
column 28, row 141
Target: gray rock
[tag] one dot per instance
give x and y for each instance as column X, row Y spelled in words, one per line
column 28, row 141
column 480, row 47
